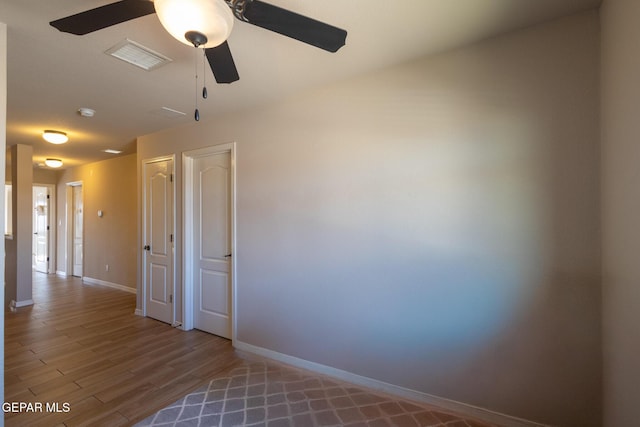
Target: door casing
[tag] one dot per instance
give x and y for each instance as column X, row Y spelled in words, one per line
column 70, row 226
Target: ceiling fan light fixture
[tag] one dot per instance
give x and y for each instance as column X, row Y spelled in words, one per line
column 212, row 19
column 53, row 163
column 55, row 136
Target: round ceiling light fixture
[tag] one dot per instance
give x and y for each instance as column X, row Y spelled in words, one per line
column 55, row 136
column 196, row 22
column 53, row 163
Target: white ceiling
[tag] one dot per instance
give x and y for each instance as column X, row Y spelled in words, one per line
column 52, row 74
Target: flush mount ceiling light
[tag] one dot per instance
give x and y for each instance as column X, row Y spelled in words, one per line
column 196, row 22
column 53, row 163
column 55, row 136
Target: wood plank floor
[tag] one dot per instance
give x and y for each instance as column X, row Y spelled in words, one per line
column 82, row 345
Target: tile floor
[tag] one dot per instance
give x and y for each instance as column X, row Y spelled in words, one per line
column 272, row 395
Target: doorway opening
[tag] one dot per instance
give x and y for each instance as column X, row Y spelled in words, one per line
column 44, row 228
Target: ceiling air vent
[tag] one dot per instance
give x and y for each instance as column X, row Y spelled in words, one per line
column 138, row 55
column 168, row 112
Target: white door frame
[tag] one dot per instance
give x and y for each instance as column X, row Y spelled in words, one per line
column 51, row 222
column 144, row 236
column 69, row 223
column 188, row 161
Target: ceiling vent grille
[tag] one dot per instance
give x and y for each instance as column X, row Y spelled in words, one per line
column 168, row 112
column 138, row 55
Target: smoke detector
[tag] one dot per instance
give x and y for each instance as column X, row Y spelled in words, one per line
column 86, row 112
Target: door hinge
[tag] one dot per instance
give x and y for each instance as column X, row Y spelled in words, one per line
column 48, row 197
column 47, row 228
column 170, row 177
column 171, row 238
column 171, row 299
column 47, row 259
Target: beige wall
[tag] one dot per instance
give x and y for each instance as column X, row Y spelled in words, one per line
column 433, row 225
column 45, row 176
column 109, row 186
column 621, row 210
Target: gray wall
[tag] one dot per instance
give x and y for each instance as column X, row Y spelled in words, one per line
column 434, row 225
column 621, row 210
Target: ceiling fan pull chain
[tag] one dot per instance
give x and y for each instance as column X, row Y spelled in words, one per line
column 196, row 114
column 205, row 94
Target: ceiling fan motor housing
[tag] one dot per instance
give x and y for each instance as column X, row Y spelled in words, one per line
column 196, row 38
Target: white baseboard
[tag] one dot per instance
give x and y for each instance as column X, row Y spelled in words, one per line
column 93, row 281
column 417, row 396
column 138, row 312
column 61, row 273
column 18, row 304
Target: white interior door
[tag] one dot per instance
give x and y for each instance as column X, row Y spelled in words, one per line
column 158, row 239
column 77, row 249
column 212, row 243
column 41, row 229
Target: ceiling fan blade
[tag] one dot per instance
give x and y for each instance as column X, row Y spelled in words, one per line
column 104, row 16
column 296, row 26
column 221, row 62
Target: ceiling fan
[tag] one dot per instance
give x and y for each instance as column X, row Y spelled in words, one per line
column 207, row 24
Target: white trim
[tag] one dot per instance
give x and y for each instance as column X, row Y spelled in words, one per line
column 381, row 386
column 234, row 247
column 53, row 230
column 92, row 281
column 69, row 224
column 188, row 158
column 187, row 242
column 61, row 273
column 18, row 304
column 138, row 312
